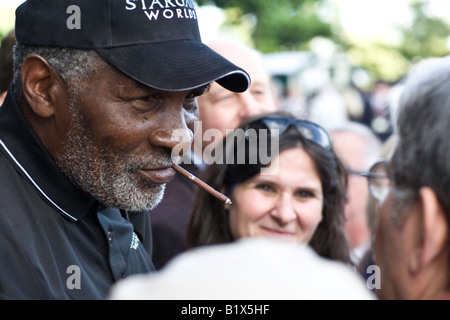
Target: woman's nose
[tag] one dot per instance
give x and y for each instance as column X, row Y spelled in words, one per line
column 283, row 210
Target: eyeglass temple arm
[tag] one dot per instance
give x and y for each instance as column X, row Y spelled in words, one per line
column 367, row 174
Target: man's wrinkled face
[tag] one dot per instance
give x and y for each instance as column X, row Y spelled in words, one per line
column 118, row 140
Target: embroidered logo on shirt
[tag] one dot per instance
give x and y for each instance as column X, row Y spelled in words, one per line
column 134, row 242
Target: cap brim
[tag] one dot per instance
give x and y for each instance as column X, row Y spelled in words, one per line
column 176, row 65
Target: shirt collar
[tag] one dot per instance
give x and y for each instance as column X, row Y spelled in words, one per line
column 22, row 147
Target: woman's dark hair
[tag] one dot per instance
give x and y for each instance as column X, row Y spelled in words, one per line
column 209, row 222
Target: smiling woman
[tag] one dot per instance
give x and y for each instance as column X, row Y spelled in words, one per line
column 299, row 196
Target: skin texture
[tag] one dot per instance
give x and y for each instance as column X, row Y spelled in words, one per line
column 286, row 204
column 113, row 138
column 411, row 250
column 221, row 109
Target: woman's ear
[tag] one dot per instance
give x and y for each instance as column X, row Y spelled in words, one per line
column 434, row 228
column 40, row 85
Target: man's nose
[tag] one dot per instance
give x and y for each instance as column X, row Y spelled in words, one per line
column 249, row 106
column 173, row 134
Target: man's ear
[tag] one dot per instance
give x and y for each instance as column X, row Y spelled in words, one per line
column 434, row 227
column 40, row 85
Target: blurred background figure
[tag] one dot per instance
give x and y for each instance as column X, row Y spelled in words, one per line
column 328, row 108
column 380, row 102
column 6, row 63
column 358, row 147
column 218, row 110
column 367, row 259
column 222, row 109
column 299, row 197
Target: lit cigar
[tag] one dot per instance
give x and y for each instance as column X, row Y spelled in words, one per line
column 201, row 184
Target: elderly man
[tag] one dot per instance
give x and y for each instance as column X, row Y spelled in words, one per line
column 86, row 138
column 412, row 239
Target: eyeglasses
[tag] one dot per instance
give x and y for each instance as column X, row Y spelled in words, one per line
column 278, row 125
column 378, row 179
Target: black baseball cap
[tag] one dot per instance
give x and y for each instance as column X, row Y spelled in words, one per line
column 157, row 43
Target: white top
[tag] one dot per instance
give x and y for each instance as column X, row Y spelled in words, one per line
column 250, row 269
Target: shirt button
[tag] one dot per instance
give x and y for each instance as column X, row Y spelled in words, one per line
column 109, row 236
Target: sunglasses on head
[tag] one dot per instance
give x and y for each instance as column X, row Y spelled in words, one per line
column 278, row 125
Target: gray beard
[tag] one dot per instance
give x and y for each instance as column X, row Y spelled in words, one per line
column 104, row 174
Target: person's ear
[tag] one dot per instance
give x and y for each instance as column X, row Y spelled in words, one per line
column 434, row 229
column 40, row 85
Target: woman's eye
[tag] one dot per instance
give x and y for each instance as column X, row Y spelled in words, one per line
column 305, row 194
column 264, row 187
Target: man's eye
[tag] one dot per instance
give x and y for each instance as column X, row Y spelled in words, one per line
column 258, row 92
column 149, row 102
column 150, row 98
column 224, row 97
column 191, row 96
column 197, row 92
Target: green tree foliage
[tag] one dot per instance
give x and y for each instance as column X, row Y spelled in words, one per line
column 426, row 37
column 279, row 24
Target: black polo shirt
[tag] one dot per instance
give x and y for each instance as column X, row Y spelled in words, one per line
column 56, row 243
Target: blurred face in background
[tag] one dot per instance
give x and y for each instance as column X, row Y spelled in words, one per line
column 351, row 148
column 222, row 109
column 286, row 204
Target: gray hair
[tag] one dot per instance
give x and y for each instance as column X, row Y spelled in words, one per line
column 373, row 144
column 72, row 65
column 422, row 154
